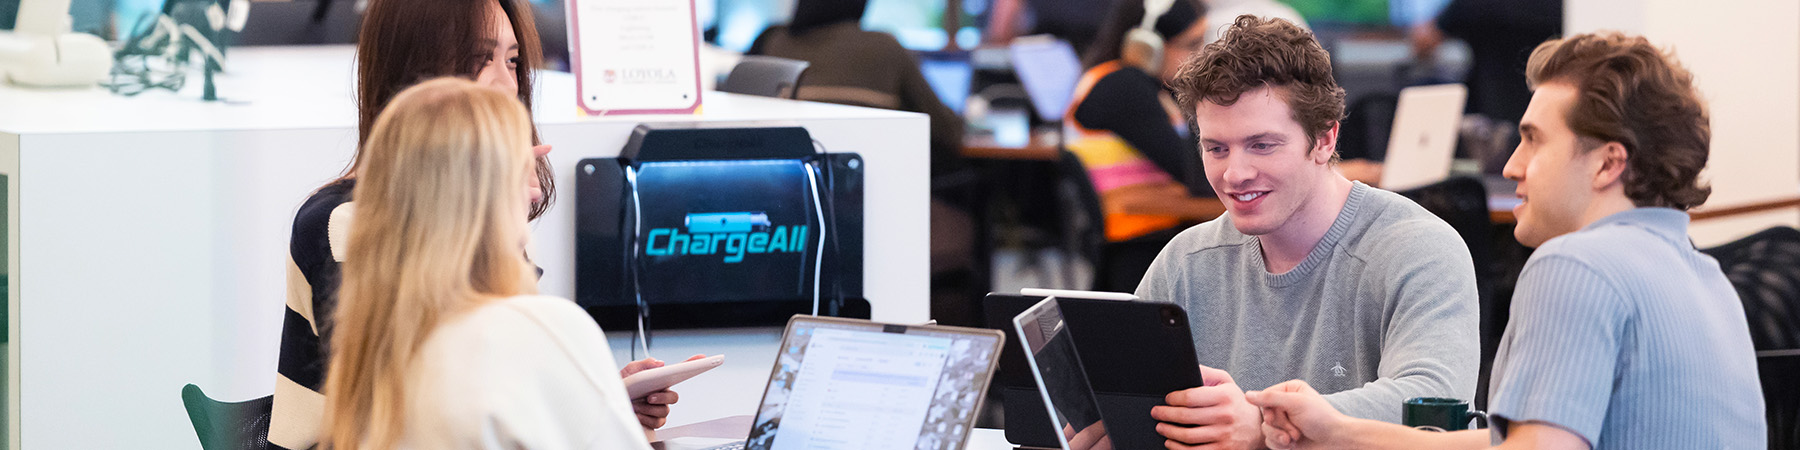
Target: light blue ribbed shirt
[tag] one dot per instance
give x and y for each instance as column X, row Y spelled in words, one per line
column 1626, row 335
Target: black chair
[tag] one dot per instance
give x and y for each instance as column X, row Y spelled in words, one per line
column 1765, row 269
column 1083, row 224
column 1363, row 134
column 1781, row 396
column 1118, row 266
column 1462, row 202
column 766, row 76
column 228, row 426
column 960, row 257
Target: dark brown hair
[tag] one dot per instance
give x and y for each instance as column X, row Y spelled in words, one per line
column 405, row 42
column 1630, row 92
column 1257, row 52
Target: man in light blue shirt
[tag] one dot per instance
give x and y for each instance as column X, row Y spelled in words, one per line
column 1623, row 336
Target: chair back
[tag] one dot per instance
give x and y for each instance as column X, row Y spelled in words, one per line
column 228, row 426
column 1765, row 269
column 1083, row 225
column 1781, row 396
column 766, row 76
column 1364, row 134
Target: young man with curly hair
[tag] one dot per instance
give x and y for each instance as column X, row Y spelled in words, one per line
column 1308, row 275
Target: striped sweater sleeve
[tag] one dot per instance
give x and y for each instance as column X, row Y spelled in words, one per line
column 315, row 253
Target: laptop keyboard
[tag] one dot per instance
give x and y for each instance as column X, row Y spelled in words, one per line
column 732, row 446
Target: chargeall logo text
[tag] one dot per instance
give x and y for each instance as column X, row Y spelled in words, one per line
column 732, row 234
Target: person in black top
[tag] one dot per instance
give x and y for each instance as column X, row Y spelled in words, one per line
column 1133, row 101
column 402, row 42
column 852, row 66
column 1075, row 21
column 1500, row 34
column 1129, row 136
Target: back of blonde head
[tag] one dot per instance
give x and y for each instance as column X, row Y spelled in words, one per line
column 439, row 228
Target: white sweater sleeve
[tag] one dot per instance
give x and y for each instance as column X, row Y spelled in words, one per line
column 524, row 372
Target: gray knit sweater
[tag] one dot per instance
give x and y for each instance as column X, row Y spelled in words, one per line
column 1383, row 309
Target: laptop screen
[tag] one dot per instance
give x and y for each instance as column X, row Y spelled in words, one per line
column 1049, row 70
column 856, row 384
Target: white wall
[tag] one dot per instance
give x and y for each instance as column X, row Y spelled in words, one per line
column 1745, row 56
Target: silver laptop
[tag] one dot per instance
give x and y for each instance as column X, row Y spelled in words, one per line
column 856, row 384
column 1050, row 351
column 1423, row 141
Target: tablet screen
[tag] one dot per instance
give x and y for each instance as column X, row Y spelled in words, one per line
column 1050, row 350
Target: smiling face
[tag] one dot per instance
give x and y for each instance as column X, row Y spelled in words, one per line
column 1555, row 174
column 1261, row 163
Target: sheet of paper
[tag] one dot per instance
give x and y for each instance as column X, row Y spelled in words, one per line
column 635, row 56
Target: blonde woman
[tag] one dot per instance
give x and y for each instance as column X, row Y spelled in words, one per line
column 492, row 42
column 441, row 341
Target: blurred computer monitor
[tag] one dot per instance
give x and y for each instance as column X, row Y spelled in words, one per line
column 919, row 24
column 1049, row 69
column 951, row 76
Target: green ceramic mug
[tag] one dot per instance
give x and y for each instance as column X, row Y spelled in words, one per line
column 1439, row 414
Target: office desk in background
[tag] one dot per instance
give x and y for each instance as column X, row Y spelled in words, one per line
column 1042, row 147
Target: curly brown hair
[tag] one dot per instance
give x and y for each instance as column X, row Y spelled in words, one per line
column 1630, row 92
column 1257, row 52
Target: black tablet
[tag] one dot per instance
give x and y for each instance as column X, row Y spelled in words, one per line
column 1135, row 353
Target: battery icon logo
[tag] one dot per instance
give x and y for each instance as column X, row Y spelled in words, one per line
column 727, row 222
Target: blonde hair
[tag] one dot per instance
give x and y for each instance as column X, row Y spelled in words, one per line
column 439, row 228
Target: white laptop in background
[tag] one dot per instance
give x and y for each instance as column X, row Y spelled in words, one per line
column 1049, row 69
column 1423, row 142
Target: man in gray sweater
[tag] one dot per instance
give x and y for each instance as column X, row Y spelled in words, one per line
column 1311, row 276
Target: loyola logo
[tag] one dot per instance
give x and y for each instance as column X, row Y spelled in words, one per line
column 732, row 234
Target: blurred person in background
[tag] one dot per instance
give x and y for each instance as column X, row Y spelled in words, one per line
column 1128, row 134
column 1075, row 21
